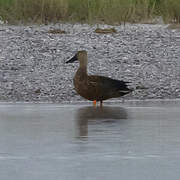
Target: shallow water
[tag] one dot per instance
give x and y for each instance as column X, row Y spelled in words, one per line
column 132, row 140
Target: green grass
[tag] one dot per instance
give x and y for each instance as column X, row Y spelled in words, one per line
column 89, row 11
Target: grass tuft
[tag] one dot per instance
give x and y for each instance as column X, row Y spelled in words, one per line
column 89, row 11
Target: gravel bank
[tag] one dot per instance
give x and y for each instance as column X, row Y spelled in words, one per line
column 32, row 61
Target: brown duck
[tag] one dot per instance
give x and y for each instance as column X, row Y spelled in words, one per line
column 96, row 88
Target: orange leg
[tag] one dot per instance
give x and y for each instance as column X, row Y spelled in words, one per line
column 94, row 102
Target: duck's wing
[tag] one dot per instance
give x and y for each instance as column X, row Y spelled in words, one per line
column 108, row 83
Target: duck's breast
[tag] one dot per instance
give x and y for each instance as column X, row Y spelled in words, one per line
column 84, row 87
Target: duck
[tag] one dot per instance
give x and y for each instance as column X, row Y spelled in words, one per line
column 93, row 87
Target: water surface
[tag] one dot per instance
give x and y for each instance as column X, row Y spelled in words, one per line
column 132, row 140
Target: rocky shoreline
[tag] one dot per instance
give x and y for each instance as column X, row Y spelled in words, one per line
column 33, row 69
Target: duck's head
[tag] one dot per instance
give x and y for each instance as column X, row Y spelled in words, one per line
column 80, row 56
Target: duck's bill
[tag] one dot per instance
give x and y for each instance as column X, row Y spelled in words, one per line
column 74, row 58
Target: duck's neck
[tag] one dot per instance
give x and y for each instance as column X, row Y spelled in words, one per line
column 83, row 61
column 83, row 65
column 83, row 69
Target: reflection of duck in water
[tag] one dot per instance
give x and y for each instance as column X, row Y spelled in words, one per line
column 91, row 115
column 96, row 88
